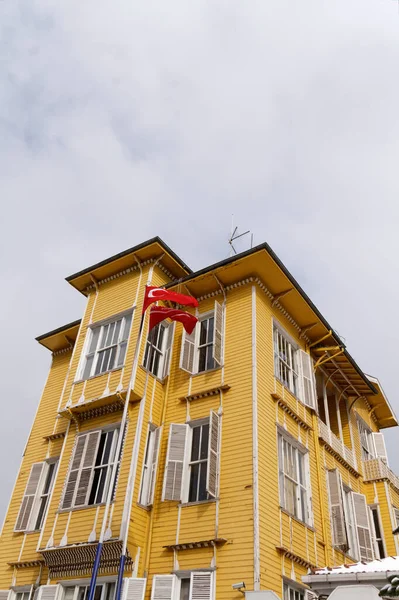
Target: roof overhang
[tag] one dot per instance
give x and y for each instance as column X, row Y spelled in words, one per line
column 381, row 407
column 154, row 248
column 261, row 262
column 325, row 584
column 59, row 339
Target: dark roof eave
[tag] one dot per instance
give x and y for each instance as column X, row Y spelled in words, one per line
column 58, row 330
column 265, row 246
column 102, row 263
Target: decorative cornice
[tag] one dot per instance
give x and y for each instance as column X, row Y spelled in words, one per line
column 54, row 436
column 76, row 560
column 199, row 544
column 100, row 411
column 23, row 564
column 130, row 270
column 287, row 408
column 63, row 350
column 206, row 394
column 338, row 457
column 295, row 557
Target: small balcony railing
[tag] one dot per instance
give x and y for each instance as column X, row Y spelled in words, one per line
column 336, row 444
column 375, row 469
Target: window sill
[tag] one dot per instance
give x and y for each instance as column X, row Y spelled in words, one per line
column 206, row 372
column 85, row 507
column 285, row 511
column 199, row 503
column 144, row 507
column 99, row 375
column 294, row 395
column 162, row 381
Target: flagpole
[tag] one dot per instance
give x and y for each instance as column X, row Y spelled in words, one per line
column 122, row 559
column 114, row 471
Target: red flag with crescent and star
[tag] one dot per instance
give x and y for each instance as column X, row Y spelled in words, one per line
column 159, row 313
column 153, row 294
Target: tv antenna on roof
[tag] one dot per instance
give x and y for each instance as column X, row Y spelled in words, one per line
column 235, row 236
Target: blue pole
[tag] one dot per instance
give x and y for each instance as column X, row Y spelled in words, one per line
column 96, row 565
column 119, row 581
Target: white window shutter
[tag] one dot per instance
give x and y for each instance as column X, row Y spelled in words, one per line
column 163, row 587
column 34, row 480
column 363, row 527
column 5, row 594
column 217, row 351
column 337, row 508
column 307, row 375
column 48, row 592
column 380, row 448
column 212, row 474
column 74, row 469
column 310, row 596
column 201, row 587
column 187, row 354
column 88, row 461
column 153, row 464
column 134, row 588
column 168, row 350
column 175, row 460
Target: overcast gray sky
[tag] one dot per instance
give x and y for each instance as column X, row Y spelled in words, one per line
column 122, row 120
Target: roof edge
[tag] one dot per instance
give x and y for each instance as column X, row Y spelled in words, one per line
column 44, row 336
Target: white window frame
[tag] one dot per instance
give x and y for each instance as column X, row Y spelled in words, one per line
column 302, row 498
column 150, row 465
column 38, row 494
column 366, row 440
column 86, row 583
column 293, row 592
column 375, row 508
column 108, row 429
column 45, row 495
column 350, row 523
column 164, row 350
column 121, row 345
column 289, row 362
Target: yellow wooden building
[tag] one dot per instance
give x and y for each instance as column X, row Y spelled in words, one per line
column 252, row 450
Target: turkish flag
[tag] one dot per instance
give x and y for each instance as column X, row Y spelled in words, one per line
column 159, row 313
column 152, row 294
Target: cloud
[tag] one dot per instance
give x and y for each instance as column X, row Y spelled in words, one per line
column 115, row 116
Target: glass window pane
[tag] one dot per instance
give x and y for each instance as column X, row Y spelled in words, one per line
column 204, row 441
column 202, row 359
column 104, row 331
column 192, row 494
column 122, row 352
column 88, row 365
column 100, row 449
column 110, row 333
column 117, row 329
column 184, row 589
column 195, row 443
column 112, row 357
column 100, row 497
column 203, row 331
column 98, row 592
column 126, row 327
column 107, row 450
column 202, row 493
column 210, row 330
column 94, row 486
column 94, row 339
column 69, row 592
column 110, row 591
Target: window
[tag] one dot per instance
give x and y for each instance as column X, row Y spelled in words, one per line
column 158, row 350
column 103, row 591
column 34, row 502
column 285, row 361
column 106, row 346
column 44, row 496
column 202, row 350
column 22, row 595
column 350, row 523
column 192, row 585
column 294, row 368
column 192, row 462
column 291, row 593
column 147, row 489
column 377, row 530
column 366, row 440
column 198, row 463
column 293, row 478
column 91, row 468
